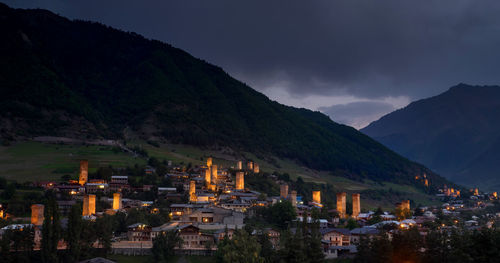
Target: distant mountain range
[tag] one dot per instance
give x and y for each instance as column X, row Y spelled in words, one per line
column 85, row 80
column 456, row 133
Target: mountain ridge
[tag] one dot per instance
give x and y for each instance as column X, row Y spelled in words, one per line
column 84, row 79
column 452, row 133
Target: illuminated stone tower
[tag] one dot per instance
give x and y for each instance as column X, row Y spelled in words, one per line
column 214, row 173
column 293, row 198
column 356, row 205
column 240, row 180
column 207, row 176
column 37, row 214
column 209, row 161
column 317, row 197
column 406, row 204
column 284, row 191
column 88, row 205
column 84, row 172
column 250, row 166
column 426, row 182
column 341, row 201
column 239, row 165
column 256, row 168
column 117, row 201
column 192, row 191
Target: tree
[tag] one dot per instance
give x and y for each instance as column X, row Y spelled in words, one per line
column 74, row 232
column 104, row 228
column 381, row 250
column 460, row 243
column 51, row 231
column 23, row 243
column 406, row 245
column 243, row 248
column 164, row 245
column 312, row 241
column 88, row 237
column 5, row 247
column 280, row 214
column 351, row 224
column 293, row 250
column 364, row 251
column 267, row 252
column 10, row 191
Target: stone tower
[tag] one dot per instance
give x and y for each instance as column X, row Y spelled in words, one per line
column 214, row 173
column 239, row 165
column 207, row 176
column 84, row 172
column 192, row 191
column 284, row 191
column 209, row 161
column 240, row 180
column 117, row 201
column 256, row 168
column 37, row 214
column 293, row 198
column 356, row 205
column 250, row 165
column 341, row 201
column 406, row 204
column 88, row 205
column 317, row 197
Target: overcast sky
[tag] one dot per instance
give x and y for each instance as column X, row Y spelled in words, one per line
column 353, row 60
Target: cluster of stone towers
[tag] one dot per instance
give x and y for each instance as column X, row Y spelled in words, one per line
column 89, row 200
column 316, row 200
column 341, row 205
column 251, row 166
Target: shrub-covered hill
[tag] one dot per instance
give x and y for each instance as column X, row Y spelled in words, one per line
column 456, row 133
column 81, row 79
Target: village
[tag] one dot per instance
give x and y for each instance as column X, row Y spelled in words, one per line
column 211, row 202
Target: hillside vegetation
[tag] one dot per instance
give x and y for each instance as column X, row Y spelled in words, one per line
column 85, row 80
column 456, row 133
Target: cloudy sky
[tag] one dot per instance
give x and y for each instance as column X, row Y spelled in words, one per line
column 353, row 60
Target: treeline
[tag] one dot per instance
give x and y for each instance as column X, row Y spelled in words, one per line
column 301, row 244
column 439, row 246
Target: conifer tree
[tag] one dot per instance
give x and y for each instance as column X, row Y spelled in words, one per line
column 51, row 231
column 243, row 248
column 74, row 232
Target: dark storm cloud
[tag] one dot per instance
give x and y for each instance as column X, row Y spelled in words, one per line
column 363, row 49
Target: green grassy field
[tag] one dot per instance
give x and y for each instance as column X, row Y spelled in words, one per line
column 37, row 161
column 32, row 161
